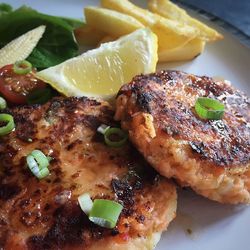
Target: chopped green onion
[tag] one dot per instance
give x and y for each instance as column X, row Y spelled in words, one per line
column 38, row 163
column 43, row 173
column 208, row 108
column 22, row 67
column 32, row 164
column 39, row 96
column 105, row 213
column 115, row 132
column 103, row 128
column 41, row 159
column 34, row 168
column 4, row 130
column 3, row 103
column 85, row 203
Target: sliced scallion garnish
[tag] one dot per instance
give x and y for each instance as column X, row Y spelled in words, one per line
column 43, row 173
column 103, row 128
column 32, row 164
column 22, row 67
column 41, row 159
column 6, row 129
column 209, row 109
column 105, row 213
column 115, row 132
column 85, row 203
column 38, row 163
column 3, row 103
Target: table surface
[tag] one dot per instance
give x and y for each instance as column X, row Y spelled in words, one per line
column 234, row 12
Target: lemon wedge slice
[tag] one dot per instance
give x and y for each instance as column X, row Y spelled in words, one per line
column 101, row 72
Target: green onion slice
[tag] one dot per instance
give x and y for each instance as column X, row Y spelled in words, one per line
column 34, row 168
column 6, row 129
column 22, row 67
column 38, row 163
column 85, row 203
column 103, row 128
column 39, row 96
column 41, row 158
column 115, row 132
column 3, row 103
column 105, row 213
column 32, row 164
column 43, row 173
column 208, row 108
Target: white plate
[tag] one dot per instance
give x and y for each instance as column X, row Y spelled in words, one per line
column 214, row 226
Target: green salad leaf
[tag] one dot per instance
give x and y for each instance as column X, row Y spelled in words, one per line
column 74, row 23
column 5, row 8
column 57, row 44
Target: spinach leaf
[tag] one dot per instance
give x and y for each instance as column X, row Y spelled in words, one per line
column 74, row 23
column 57, row 44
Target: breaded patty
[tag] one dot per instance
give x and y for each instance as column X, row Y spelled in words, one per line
column 44, row 214
column 210, row 156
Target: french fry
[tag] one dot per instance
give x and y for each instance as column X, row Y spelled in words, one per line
column 168, row 38
column 88, row 36
column 124, row 6
column 111, row 22
column 183, row 53
column 171, row 34
column 169, row 10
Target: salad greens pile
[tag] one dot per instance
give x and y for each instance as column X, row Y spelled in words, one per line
column 57, row 44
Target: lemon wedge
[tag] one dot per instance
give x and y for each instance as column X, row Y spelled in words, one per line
column 101, row 72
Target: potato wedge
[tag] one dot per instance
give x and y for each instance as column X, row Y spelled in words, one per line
column 187, row 52
column 124, row 6
column 88, row 36
column 111, row 22
column 170, row 10
column 171, row 34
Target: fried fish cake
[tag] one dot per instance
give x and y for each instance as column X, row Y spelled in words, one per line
column 44, row 214
column 210, row 156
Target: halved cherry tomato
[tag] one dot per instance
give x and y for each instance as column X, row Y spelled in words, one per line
column 15, row 88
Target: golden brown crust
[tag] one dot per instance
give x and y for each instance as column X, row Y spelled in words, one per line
column 210, row 156
column 45, row 214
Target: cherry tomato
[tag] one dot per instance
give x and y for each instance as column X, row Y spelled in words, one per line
column 15, row 87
